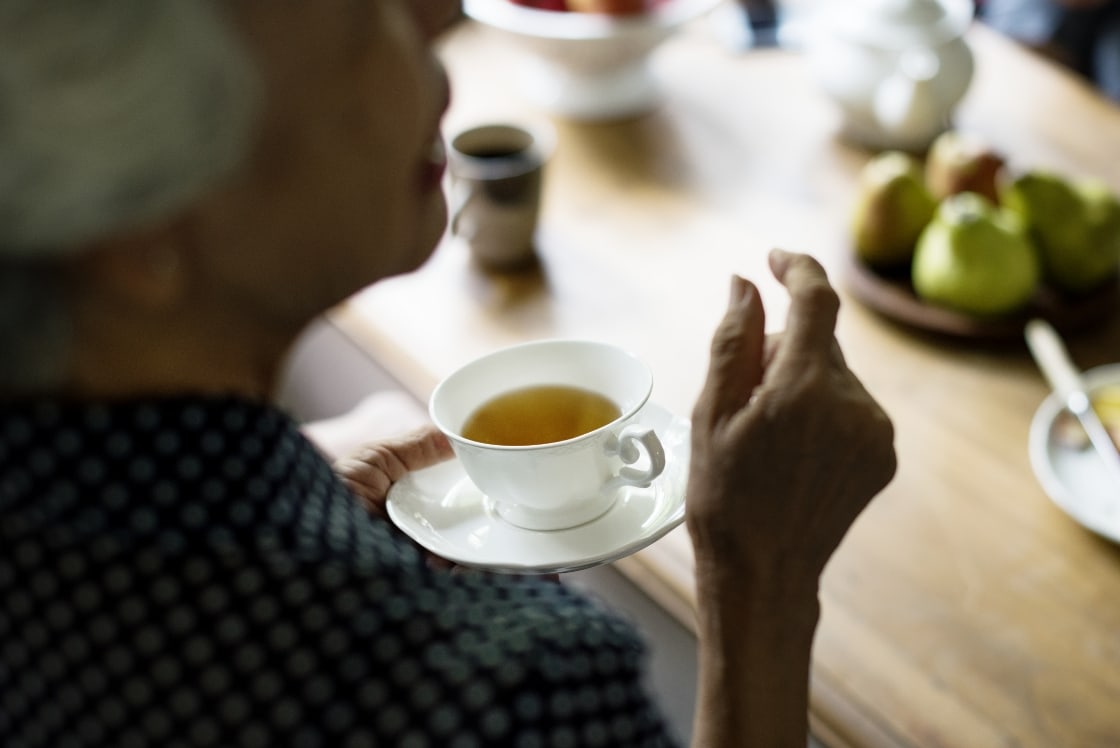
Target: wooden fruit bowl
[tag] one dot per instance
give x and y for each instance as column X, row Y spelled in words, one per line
column 892, row 295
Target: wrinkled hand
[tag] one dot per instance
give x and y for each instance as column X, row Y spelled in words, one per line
column 371, row 470
column 787, row 445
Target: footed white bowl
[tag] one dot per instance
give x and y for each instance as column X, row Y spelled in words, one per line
column 588, row 66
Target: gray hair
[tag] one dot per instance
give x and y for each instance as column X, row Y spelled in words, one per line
column 113, row 114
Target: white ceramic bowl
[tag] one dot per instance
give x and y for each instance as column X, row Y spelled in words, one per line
column 587, row 65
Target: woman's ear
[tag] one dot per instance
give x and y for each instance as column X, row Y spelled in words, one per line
column 148, row 269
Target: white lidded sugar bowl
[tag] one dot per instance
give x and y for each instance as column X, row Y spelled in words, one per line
column 895, row 68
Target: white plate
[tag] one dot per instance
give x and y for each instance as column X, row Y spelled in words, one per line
column 442, row 510
column 1076, row 479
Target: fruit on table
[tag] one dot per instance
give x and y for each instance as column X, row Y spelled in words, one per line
column 892, row 208
column 611, row 7
column 543, row 4
column 1074, row 225
column 963, row 162
column 974, row 257
column 1102, row 213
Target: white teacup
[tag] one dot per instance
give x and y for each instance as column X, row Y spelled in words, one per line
column 557, row 484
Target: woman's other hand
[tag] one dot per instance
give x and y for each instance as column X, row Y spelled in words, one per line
column 788, row 447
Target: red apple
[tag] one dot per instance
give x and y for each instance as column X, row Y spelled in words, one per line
column 610, row 7
column 963, row 162
column 543, row 4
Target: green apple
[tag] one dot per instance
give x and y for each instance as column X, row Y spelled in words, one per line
column 974, row 257
column 892, row 207
column 1074, row 224
column 1101, row 260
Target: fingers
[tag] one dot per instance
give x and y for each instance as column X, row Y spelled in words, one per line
column 814, row 305
column 736, row 363
column 372, row 470
column 414, row 450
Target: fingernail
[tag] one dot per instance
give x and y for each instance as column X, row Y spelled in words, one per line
column 738, row 289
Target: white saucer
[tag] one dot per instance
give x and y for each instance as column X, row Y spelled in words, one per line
column 442, row 510
column 1076, row 479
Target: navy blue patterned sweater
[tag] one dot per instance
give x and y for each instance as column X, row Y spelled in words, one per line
column 189, row 572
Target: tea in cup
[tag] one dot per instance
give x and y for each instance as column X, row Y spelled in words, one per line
column 550, row 431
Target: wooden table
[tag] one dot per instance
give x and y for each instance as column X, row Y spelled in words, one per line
column 963, row 609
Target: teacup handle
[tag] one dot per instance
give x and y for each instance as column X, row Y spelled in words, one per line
column 631, row 445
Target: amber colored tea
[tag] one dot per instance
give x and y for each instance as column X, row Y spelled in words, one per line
column 539, row 415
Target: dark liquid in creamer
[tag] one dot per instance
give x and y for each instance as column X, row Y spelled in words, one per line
column 539, row 415
column 494, row 154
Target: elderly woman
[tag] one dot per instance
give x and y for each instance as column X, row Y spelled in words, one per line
column 184, row 185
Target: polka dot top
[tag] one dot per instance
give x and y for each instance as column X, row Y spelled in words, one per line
column 189, row 572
